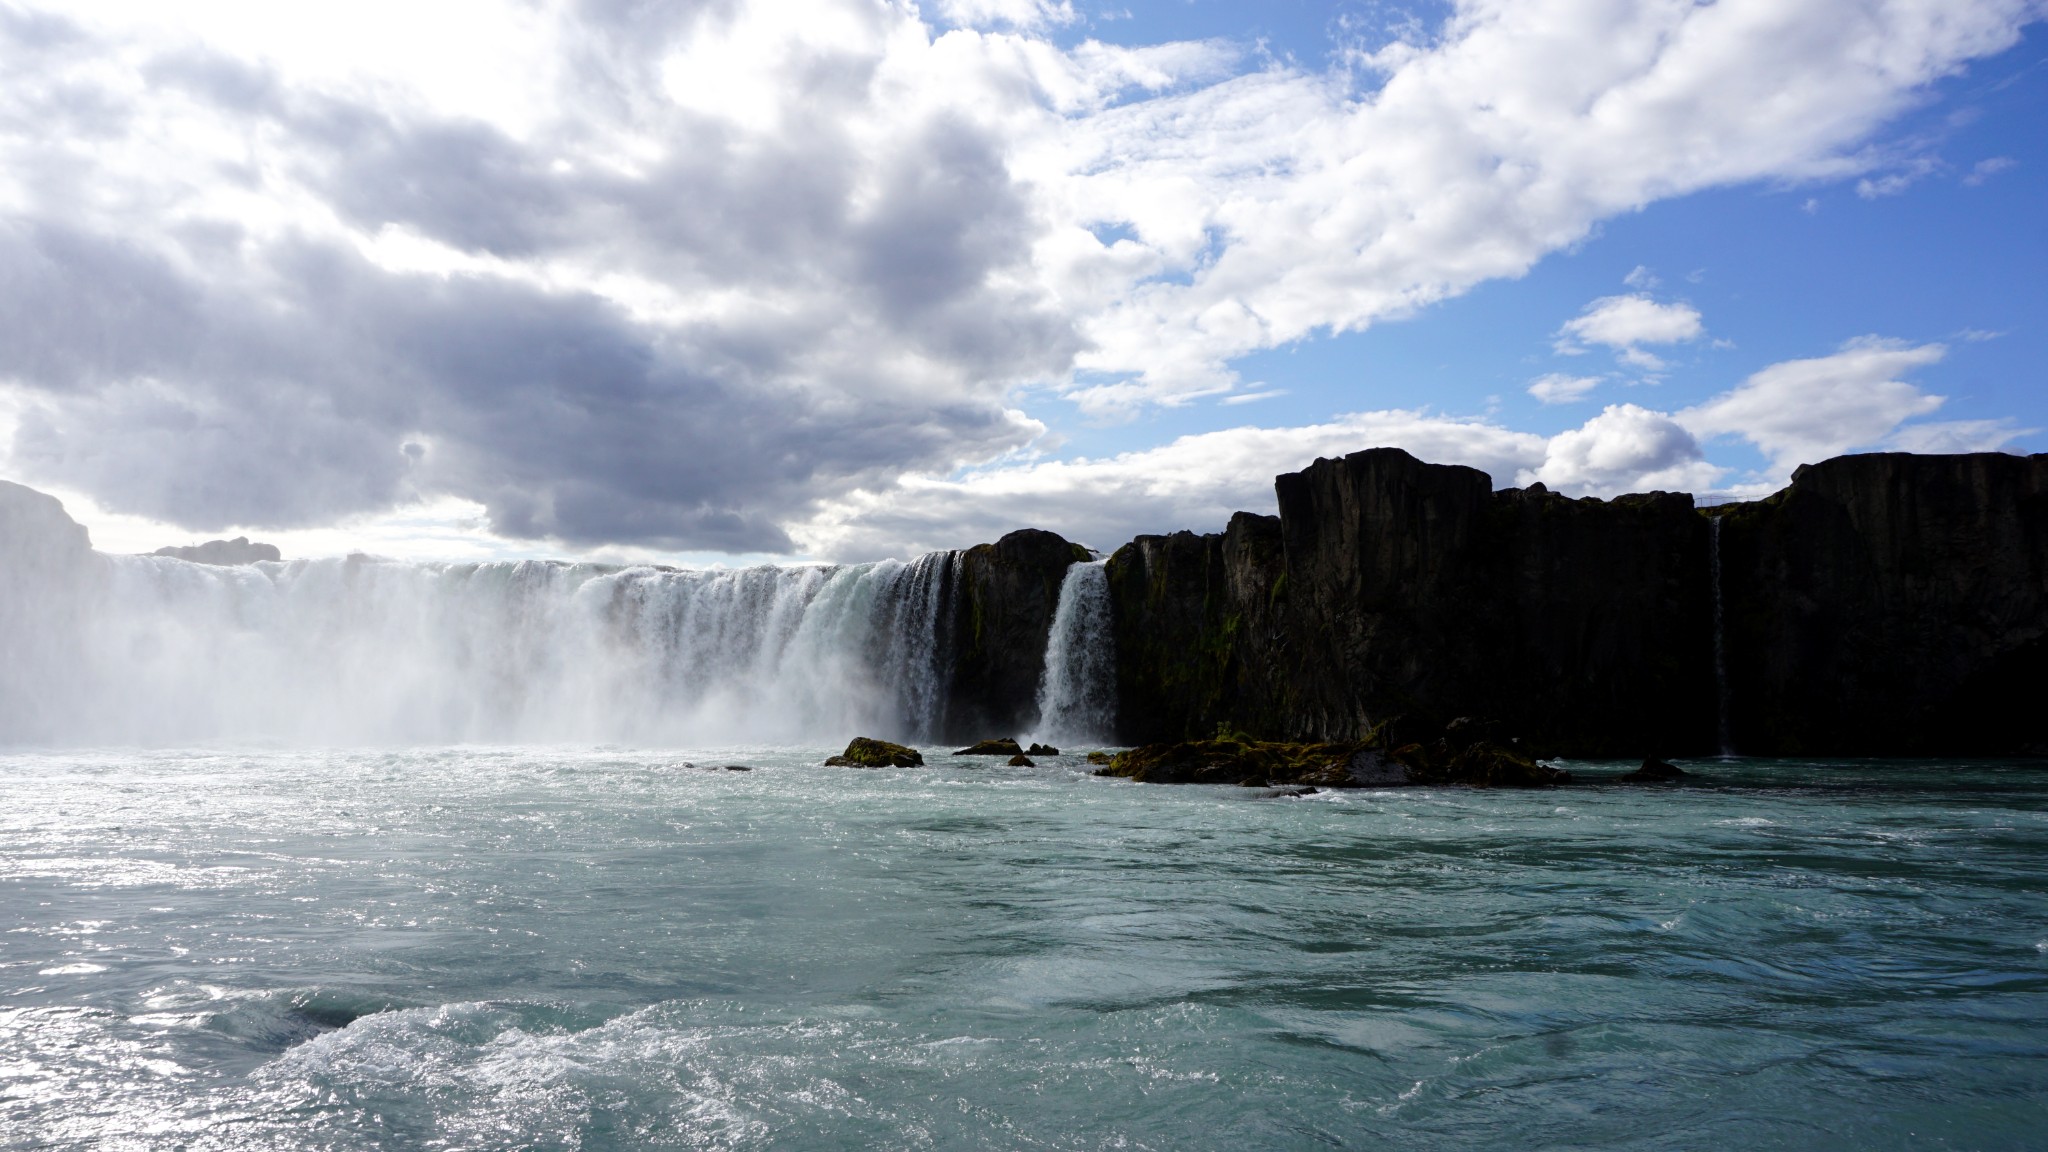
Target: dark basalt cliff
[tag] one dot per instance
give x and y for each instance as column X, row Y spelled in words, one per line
column 1887, row 605
column 999, row 607
column 1891, row 605
column 1881, row 604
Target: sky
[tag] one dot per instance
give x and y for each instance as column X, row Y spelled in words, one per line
column 733, row 281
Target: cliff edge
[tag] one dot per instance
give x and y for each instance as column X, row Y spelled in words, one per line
column 1886, row 604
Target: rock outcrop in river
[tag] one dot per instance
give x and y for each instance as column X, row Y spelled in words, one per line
column 1001, row 606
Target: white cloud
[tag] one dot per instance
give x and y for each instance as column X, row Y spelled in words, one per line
column 1796, row 412
column 1558, row 388
column 1307, row 207
column 1626, row 449
column 1957, row 436
column 682, row 276
column 1800, row 411
column 1625, row 323
column 1252, row 397
column 1985, row 169
column 1014, row 13
column 1194, row 482
column 1893, row 183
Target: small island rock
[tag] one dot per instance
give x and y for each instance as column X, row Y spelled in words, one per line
column 1656, row 771
column 869, row 753
column 1021, row 761
column 1041, row 750
column 1461, row 755
column 1003, row 747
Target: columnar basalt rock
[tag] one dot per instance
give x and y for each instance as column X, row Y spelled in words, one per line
column 1884, row 604
column 1389, row 587
column 1003, row 605
column 1891, row 605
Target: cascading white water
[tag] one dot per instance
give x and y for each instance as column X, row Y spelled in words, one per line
column 1721, row 731
column 1077, row 692
column 364, row 651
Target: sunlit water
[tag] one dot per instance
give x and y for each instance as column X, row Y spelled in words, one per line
column 487, row 949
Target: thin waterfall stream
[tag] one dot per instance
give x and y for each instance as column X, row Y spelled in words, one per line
column 1725, row 740
column 1077, row 693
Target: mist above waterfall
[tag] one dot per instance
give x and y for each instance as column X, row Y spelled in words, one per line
column 366, row 651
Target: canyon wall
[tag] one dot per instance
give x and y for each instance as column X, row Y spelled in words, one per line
column 1891, row 605
column 1880, row 605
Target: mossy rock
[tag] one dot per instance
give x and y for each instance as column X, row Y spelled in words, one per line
column 1041, row 750
column 1236, row 760
column 1099, row 757
column 1003, row 747
column 1021, row 762
column 1460, row 756
column 867, row 753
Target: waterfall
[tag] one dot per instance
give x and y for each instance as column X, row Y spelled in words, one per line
column 1077, row 692
column 1721, row 730
column 365, row 651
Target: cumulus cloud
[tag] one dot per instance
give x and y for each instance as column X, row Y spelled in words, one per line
column 1626, row 323
column 1626, row 449
column 1557, row 388
column 711, row 275
column 640, row 323
column 1312, row 207
column 1800, row 411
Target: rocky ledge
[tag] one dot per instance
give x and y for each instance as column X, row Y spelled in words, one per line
column 1466, row 752
column 864, row 752
column 1006, row 747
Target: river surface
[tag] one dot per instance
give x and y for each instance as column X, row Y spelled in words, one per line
column 483, row 948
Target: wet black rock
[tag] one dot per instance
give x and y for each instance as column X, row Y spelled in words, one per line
column 1020, row 761
column 867, row 753
column 1002, row 600
column 1655, row 771
column 1454, row 756
column 1041, row 750
column 1883, row 604
column 1002, row 747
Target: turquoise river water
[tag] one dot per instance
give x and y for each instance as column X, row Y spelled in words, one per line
column 478, row 948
